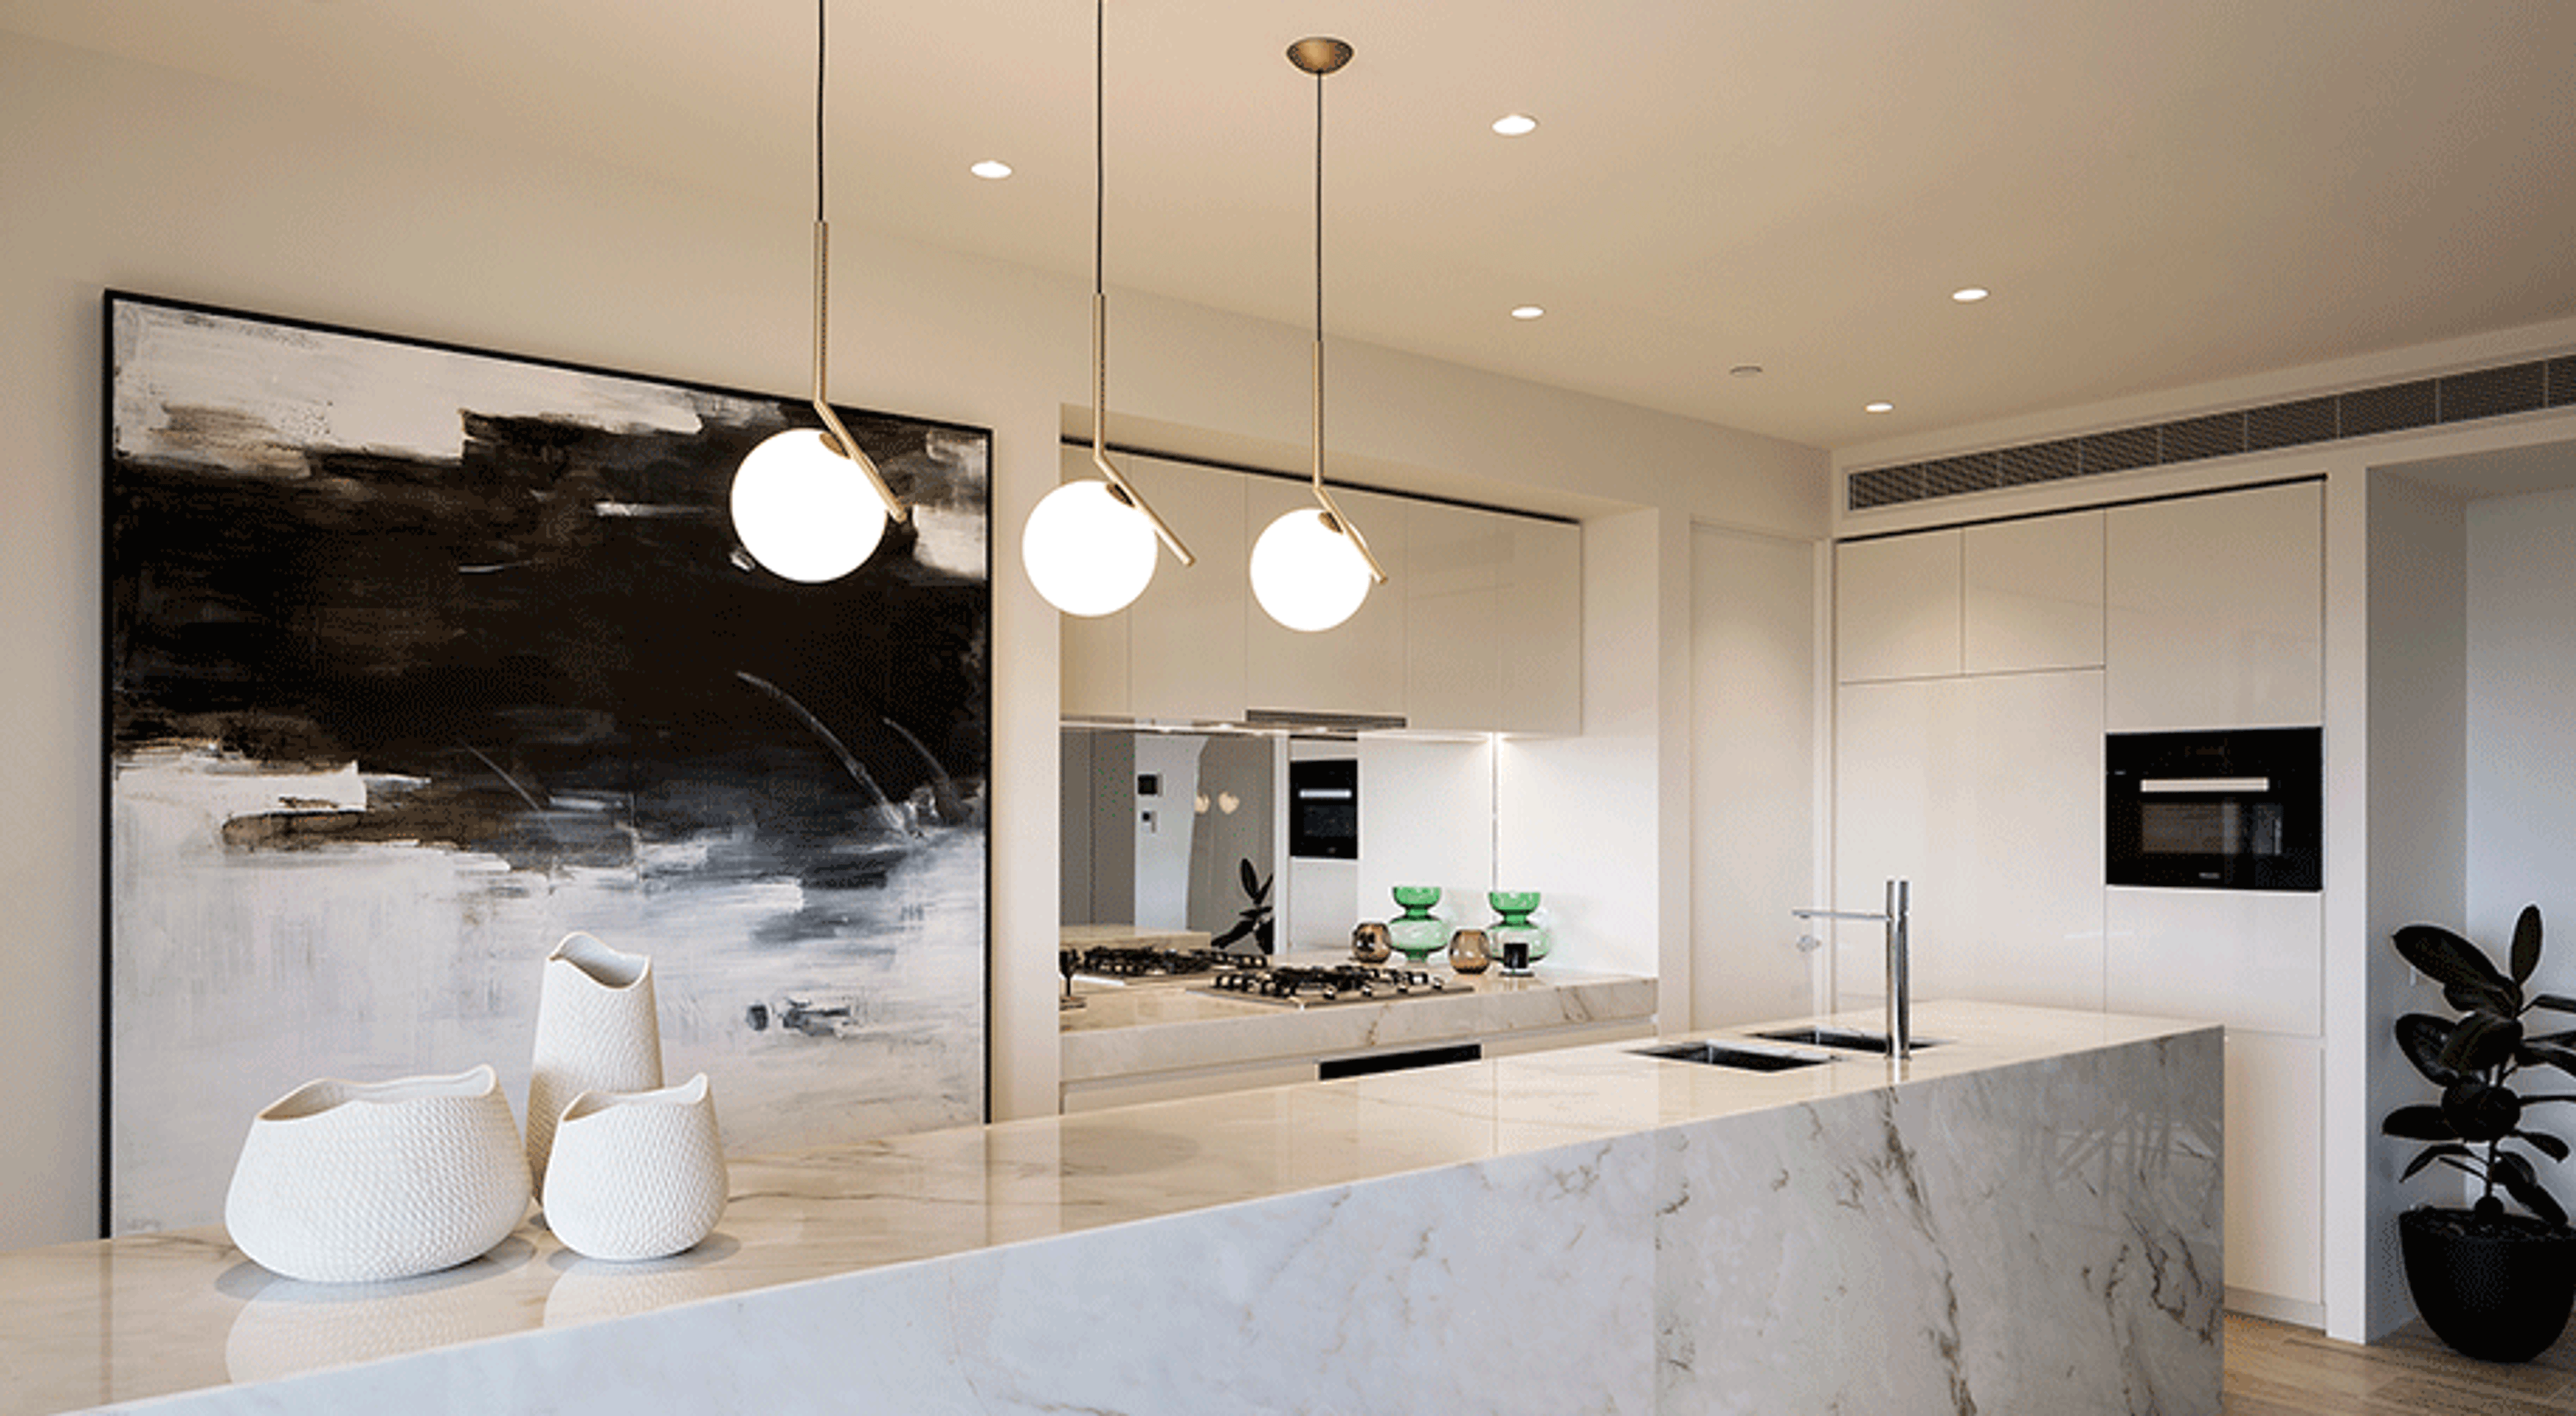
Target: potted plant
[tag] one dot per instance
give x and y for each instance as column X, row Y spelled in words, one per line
column 2495, row 1285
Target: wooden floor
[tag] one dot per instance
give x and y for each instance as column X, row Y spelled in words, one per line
column 2274, row 1369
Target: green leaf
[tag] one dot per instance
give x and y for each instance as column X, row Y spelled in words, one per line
column 2555, row 1002
column 2419, row 1123
column 2526, row 943
column 2421, row 1037
column 2523, row 1183
column 2481, row 1041
column 2448, row 959
column 2429, row 1154
column 1251, row 878
column 2544, row 1143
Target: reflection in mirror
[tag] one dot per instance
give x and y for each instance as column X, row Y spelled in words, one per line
column 1156, row 828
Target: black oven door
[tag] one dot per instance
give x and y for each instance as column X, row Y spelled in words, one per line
column 2239, row 809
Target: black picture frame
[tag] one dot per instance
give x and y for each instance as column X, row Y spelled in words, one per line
column 419, row 656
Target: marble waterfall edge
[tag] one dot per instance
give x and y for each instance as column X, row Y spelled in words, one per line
column 2033, row 1239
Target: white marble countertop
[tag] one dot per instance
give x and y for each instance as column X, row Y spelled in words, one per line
column 147, row 1315
column 1168, row 1025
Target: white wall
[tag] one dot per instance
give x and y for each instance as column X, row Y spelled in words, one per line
column 1163, row 824
column 1755, row 717
column 2522, row 748
column 1578, row 817
column 1427, row 818
column 121, row 175
column 2418, row 817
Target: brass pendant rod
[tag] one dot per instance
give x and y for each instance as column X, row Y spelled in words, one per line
column 1119, row 486
column 1321, row 57
column 833, row 433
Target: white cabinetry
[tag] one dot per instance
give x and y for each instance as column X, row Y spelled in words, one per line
column 1455, row 560
column 1355, row 667
column 2275, row 1174
column 2216, row 611
column 1479, row 628
column 1987, row 794
column 2033, row 592
column 1896, row 607
column 1538, row 630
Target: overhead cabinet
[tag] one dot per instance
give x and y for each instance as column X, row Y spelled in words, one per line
column 1479, row 628
column 2011, row 597
column 2217, row 611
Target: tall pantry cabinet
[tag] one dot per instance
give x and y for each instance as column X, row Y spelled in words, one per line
column 1979, row 669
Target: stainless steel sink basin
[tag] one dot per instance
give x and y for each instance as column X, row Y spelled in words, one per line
column 1742, row 1057
column 1846, row 1039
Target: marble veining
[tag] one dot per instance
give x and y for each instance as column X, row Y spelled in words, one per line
column 2025, row 1221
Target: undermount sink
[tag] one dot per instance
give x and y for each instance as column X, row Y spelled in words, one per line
column 1847, row 1039
column 1735, row 1055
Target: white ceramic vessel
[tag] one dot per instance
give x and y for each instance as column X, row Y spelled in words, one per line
column 354, row 1182
column 637, row 1175
column 596, row 1031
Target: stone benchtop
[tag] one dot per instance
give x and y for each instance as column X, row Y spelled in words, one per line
column 154, row 1314
column 1173, row 1025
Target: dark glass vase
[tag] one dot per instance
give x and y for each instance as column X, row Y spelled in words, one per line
column 2497, row 1288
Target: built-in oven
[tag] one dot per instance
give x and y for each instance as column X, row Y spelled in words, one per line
column 2232, row 809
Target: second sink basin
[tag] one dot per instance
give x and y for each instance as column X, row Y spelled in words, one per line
column 1738, row 1056
column 1848, row 1039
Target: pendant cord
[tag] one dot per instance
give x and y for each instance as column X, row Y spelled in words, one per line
column 1099, row 143
column 820, row 6
column 1319, row 286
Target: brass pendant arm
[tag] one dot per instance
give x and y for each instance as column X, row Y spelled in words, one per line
column 837, row 435
column 1333, row 516
column 1119, row 486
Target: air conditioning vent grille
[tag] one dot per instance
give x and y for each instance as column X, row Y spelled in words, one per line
column 2417, row 403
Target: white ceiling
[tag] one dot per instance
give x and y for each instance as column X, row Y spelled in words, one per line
column 2158, row 191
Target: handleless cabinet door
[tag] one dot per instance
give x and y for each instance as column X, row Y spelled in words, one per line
column 1354, row 667
column 1454, row 559
column 1186, row 647
column 2034, row 594
column 1092, row 669
column 1538, row 630
column 2216, row 615
column 1896, row 607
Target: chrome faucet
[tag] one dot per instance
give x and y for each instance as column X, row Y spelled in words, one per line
column 1900, row 986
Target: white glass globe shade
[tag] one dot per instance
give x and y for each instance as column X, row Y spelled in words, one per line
column 805, row 511
column 1086, row 551
column 1307, row 575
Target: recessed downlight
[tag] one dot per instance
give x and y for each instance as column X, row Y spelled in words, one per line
column 990, row 170
column 1513, row 125
column 1970, row 294
column 1878, row 408
column 1528, row 312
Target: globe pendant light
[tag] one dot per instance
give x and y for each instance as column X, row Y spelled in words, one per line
column 1089, row 546
column 808, row 504
column 1312, row 568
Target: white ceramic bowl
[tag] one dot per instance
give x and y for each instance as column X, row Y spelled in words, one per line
column 637, row 1175
column 355, row 1182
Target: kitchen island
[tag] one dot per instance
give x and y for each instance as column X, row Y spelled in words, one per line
column 2022, row 1219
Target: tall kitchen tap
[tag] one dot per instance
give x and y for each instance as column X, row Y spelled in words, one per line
column 1900, row 986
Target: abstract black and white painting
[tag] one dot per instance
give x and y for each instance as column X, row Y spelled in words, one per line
column 419, row 658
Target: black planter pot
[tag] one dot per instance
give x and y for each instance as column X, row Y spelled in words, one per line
column 2496, row 1288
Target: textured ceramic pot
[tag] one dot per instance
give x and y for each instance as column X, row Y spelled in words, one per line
column 637, row 1175
column 354, row 1182
column 596, row 1031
